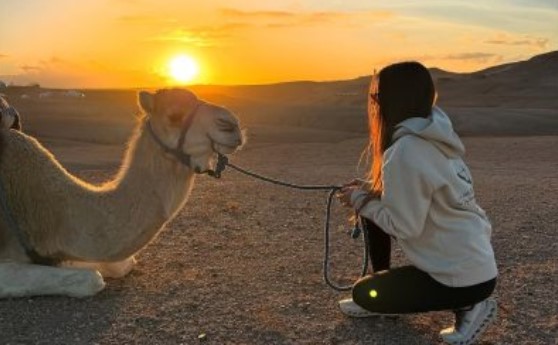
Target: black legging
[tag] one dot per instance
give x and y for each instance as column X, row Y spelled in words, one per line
column 407, row 289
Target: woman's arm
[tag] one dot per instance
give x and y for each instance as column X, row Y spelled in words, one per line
column 407, row 175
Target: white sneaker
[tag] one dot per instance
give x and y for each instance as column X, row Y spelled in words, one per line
column 350, row 308
column 471, row 323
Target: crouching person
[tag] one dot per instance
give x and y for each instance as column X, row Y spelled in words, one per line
column 420, row 193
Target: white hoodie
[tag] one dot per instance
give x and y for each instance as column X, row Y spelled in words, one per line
column 428, row 203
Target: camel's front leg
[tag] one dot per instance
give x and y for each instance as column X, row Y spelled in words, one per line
column 24, row 280
column 107, row 269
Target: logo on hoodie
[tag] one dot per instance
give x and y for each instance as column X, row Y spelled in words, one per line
column 465, row 176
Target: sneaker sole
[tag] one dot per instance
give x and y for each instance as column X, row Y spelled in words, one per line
column 367, row 314
column 488, row 319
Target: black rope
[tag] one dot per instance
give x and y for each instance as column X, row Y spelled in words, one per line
column 332, row 189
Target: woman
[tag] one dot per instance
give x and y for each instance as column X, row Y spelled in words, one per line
column 420, row 192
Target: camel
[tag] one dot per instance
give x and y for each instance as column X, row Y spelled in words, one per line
column 87, row 231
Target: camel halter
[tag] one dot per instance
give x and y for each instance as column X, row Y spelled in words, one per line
column 182, row 156
column 177, row 152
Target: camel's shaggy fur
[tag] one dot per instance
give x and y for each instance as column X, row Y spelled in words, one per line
column 81, row 223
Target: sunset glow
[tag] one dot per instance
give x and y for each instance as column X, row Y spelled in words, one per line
column 128, row 43
column 183, row 69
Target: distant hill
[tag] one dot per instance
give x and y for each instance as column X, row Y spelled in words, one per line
column 525, row 84
column 517, row 98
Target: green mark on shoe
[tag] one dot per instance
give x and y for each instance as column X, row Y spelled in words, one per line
column 373, row 293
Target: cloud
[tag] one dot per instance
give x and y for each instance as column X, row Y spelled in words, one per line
column 2, row 56
column 309, row 19
column 476, row 57
column 236, row 21
column 537, row 42
column 29, row 68
column 200, row 36
column 280, row 19
column 55, row 60
column 146, row 20
column 479, row 57
column 129, row 2
column 184, row 36
column 45, row 65
column 473, row 57
column 545, row 4
column 230, row 12
column 58, row 72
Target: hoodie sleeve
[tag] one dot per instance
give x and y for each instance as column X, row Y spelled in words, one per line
column 407, row 175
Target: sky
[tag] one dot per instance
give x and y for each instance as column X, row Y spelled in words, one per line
column 129, row 43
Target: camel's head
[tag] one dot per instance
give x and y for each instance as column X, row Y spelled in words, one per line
column 212, row 128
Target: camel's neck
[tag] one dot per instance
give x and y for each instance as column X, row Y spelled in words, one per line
column 148, row 191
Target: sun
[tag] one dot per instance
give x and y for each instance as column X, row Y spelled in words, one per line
column 183, row 68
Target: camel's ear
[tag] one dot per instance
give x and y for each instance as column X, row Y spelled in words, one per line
column 147, row 101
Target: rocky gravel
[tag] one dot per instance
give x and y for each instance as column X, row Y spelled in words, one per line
column 241, row 264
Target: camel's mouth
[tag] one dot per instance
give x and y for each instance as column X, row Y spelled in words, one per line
column 229, row 143
column 226, row 149
column 208, row 168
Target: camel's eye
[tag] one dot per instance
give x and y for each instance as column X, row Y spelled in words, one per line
column 175, row 118
column 226, row 126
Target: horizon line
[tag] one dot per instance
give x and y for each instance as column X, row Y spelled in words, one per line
column 31, row 84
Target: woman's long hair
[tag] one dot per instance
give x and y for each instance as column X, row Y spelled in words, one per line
column 400, row 91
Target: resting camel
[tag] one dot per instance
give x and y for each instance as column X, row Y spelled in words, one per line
column 83, row 231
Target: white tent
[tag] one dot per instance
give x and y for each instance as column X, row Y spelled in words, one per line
column 46, row 94
column 74, row 94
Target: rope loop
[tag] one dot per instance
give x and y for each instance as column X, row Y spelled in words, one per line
column 223, row 162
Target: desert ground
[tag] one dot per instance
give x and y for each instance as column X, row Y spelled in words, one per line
column 242, row 263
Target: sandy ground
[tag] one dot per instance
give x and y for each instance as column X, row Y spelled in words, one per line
column 241, row 264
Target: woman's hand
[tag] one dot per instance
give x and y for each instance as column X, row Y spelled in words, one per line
column 345, row 193
column 356, row 182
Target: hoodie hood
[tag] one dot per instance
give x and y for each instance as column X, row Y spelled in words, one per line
column 436, row 128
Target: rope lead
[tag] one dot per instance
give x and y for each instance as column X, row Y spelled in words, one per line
column 223, row 162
